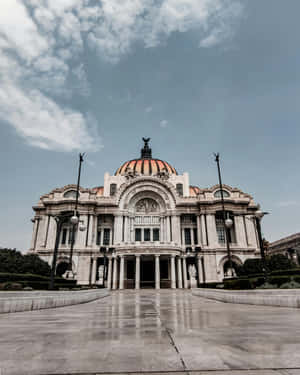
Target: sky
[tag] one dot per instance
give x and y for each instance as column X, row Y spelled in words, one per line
column 197, row 76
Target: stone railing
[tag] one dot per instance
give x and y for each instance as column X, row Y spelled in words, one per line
column 267, row 297
column 31, row 300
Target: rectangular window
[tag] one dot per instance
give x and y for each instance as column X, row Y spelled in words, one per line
column 147, row 234
column 106, row 236
column 138, row 234
column 64, row 236
column 155, row 234
column 195, row 236
column 113, row 189
column 179, row 188
column 220, row 231
column 187, row 236
column 98, row 239
column 71, row 234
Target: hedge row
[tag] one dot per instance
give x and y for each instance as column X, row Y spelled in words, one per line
column 255, row 282
column 27, row 277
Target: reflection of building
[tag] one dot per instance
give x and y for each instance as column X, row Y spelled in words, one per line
column 289, row 246
column 152, row 223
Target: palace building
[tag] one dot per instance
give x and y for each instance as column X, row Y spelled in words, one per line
column 146, row 227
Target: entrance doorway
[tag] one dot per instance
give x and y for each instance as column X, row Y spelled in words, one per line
column 147, row 273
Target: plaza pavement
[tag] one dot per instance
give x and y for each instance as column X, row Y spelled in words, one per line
column 163, row 332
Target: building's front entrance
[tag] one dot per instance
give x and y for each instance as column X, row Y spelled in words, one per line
column 147, row 272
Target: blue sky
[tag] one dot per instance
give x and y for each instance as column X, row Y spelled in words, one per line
column 197, row 76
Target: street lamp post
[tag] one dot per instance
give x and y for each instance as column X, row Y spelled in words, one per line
column 227, row 222
column 60, row 220
column 258, row 216
column 75, row 218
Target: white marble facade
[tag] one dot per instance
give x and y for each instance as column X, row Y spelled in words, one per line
column 153, row 228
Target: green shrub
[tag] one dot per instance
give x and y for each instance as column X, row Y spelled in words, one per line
column 292, row 271
column 253, row 266
column 241, row 283
column 211, row 285
column 279, row 262
column 279, row 280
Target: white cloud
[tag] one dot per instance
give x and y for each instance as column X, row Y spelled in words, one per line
column 150, row 22
column 163, row 123
column 149, row 109
column 45, row 124
column 42, row 42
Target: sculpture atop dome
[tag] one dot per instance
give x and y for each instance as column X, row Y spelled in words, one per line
column 146, row 152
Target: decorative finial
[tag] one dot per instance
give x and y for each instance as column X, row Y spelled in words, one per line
column 146, row 152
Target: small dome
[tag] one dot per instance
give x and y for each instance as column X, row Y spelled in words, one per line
column 146, row 165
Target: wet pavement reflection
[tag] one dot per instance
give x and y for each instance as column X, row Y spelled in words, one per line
column 167, row 330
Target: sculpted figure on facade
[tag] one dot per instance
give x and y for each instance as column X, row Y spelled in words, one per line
column 146, row 206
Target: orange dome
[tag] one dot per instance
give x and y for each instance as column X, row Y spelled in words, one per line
column 147, row 167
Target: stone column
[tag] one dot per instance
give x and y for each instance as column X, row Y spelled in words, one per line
column 126, row 228
column 137, row 271
column 109, row 273
column 115, row 274
column 94, row 269
column 199, row 232
column 192, row 237
column 118, row 229
column 90, row 230
column 179, row 273
column 161, row 237
column 132, row 230
column 212, row 231
column 185, row 280
column 168, row 237
column 173, row 275
column 121, row 284
column 203, row 230
column 200, row 274
column 240, row 231
column 157, row 272
column 175, row 220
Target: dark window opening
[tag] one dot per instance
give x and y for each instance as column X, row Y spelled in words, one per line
column 187, row 236
column 64, row 236
column 155, row 234
column 147, row 234
column 106, row 236
column 138, row 234
column 98, row 239
column 179, row 188
column 195, row 236
column 71, row 234
column 130, row 269
column 113, row 189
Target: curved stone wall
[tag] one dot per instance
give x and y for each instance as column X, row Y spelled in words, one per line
column 272, row 297
column 28, row 301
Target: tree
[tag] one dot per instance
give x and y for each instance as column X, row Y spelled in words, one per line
column 13, row 261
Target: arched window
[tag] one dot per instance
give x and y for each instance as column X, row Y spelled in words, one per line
column 218, row 194
column 221, row 232
column 71, row 194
